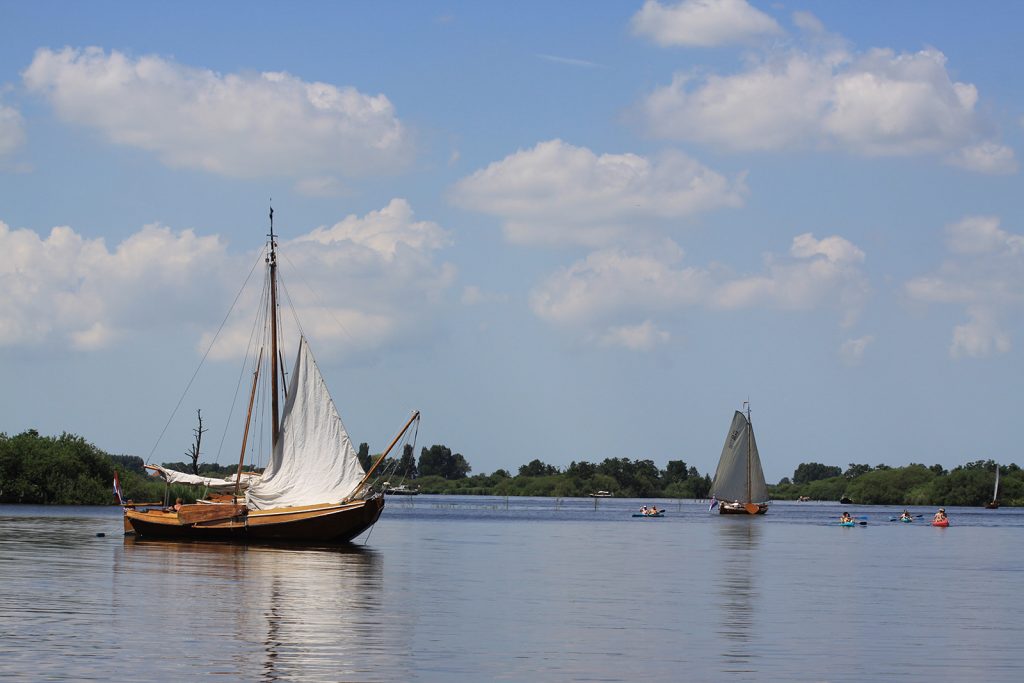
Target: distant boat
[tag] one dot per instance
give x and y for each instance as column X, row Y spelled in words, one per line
column 845, row 501
column 314, row 487
column 601, row 494
column 739, row 485
column 994, row 503
column 400, row 490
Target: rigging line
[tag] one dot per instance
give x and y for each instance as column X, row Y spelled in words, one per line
column 203, row 360
column 291, row 305
column 249, row 353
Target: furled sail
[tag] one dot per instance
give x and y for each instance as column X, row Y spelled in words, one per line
column 313, row 460
column 176, row 477
column 739, row 476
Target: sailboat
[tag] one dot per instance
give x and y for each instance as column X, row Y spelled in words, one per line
column 314, row 488
column 994, row 503
column 739, row 486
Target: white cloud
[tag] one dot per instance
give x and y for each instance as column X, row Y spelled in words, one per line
column 818, row 272
column 364, row 282
column 980, row 336
column 982, row 235
column 382, row 233
column 852, row 350
column 67, row 289
column 241, row 124
column 12, row 130
column 877, row 103
column 983, row 273
column 600, row 295
column 986, row 157
column 556, row 193
column 702, row 23
column 643, row 337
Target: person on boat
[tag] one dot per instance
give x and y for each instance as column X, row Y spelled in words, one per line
column 643, row 509
column 653, row 510
column 177, row 505
column 940, row 516
column 906, row 515
column 845, row 518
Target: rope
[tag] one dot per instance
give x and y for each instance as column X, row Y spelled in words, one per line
column 203, row 360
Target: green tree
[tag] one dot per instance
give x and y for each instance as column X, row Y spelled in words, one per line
column 855, row 471
column 675, row 471
column 407, row 465
column 364, row 456
column 439, row 461
column 806, row 472
column 536, row 468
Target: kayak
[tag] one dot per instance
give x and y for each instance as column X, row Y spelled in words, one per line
column 847, row 523
column 906, row 519
column 943, row 522
column 657, row 514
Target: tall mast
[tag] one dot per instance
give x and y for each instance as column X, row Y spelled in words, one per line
column 750, row 435
column 272, row 261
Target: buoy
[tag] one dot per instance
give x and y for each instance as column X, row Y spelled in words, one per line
column 101, row 534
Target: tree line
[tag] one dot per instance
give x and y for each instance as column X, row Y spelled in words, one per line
column 971, row 484
column 68, row 470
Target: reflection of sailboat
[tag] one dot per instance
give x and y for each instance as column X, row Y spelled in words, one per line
column 314, row 488
column 994, row 503
column 306, row 612
column 739, row 483
column 737, row 592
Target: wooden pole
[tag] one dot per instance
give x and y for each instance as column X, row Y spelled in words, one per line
column 380, row 459
column 248, row 419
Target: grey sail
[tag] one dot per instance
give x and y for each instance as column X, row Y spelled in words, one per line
column 739, row 476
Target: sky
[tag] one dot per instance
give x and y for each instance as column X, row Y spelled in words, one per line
column 562, row 231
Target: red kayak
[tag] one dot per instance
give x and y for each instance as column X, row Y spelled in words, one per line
column 940, row 522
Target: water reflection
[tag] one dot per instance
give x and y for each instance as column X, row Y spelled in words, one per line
column 283, row 613
column 737, row 590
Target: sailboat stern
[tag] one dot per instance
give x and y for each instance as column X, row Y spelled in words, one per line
column 725, row 508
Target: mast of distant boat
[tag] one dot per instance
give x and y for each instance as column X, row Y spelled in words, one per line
column 750, row 435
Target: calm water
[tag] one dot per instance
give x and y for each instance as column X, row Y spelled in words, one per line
column 474, row 589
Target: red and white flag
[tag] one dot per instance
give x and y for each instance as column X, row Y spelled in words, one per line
column 117, row 489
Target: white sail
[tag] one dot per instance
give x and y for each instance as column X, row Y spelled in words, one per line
column 313, row 461
column 995, row 491
column 739, row 476
column 176, row 477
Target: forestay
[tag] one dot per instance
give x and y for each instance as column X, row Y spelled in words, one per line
column 732, row 476
column 313, row 460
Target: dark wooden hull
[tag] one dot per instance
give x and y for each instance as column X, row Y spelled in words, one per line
column 312, row 523
column 739, row 509
column 993, row 505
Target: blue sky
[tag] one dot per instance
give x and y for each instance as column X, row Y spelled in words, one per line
column 563, row 231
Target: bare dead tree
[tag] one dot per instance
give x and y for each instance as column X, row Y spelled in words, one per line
column 193, row 451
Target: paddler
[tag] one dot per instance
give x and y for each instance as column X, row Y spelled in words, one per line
column 940, row 516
